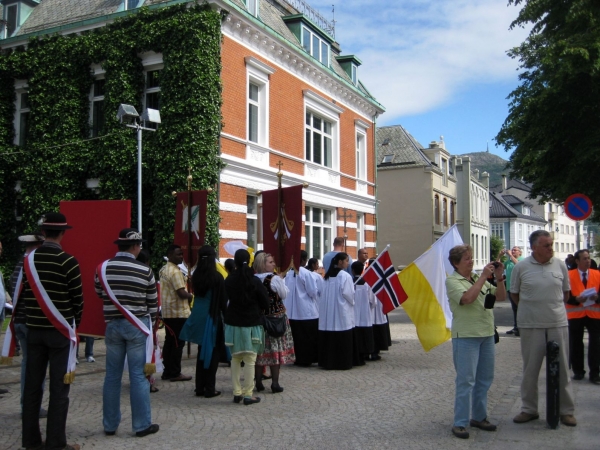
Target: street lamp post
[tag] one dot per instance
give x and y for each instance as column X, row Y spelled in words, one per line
column 128, row 114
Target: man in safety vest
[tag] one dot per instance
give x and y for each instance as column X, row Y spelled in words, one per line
column 583, row 311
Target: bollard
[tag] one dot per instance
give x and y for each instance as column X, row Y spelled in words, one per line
column 552, row 385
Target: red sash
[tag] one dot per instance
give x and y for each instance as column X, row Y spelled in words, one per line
column 150, row 366
column 52, row 314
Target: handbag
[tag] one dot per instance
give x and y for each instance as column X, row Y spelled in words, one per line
column 274, row 326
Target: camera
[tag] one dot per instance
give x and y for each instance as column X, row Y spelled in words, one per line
column 496, row 264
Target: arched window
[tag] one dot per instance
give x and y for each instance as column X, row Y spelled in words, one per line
column 445, row 212
column 452, row 219
column 436, row 209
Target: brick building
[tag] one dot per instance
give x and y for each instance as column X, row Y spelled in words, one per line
column 289, row 96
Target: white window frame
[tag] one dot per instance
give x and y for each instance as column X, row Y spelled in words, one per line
column 20, row 88
column 93, row 100
column 444, row 168
column 354, row 73
column 152, row 62
column 252, row 216
column 325, row 110
column 253, row 7
column 360, row 231
column 258, row 74
column 309, row 47
column 498, row 230
column 361, row 154
column 310, row 225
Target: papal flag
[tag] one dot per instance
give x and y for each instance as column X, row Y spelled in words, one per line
column 424, row 282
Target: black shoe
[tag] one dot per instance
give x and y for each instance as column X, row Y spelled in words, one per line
column 109, row 433
column 511, row 331
column 517, row 332
column 237, row 398
column 260, row 387
column 595, row 380
column 150, row 430
column 250, row 400
column 460, row 432
column 579, row 376
column 3, row 391
column 276, row 389
column 212, row 394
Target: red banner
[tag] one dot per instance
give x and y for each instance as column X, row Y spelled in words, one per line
column 198, row 223
column 282, row 226
column 96, row 225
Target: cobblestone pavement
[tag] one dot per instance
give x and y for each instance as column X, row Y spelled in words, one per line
column 404, row 401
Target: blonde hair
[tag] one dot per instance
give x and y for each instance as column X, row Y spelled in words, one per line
column 260, row 262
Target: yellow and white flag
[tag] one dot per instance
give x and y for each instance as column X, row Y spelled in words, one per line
column 424, row 282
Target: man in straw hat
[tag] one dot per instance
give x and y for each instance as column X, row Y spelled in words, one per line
column 53, row 305
column 16, row 333
column 128, row 289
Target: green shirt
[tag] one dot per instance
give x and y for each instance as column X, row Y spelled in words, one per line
column 471, row 320
column 508, row 268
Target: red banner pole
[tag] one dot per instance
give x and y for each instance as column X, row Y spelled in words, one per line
column 281, row 228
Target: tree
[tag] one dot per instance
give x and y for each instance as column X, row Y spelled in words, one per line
column 496, row 244
column 553, row 124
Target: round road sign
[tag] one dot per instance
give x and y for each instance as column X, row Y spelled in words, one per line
column 578, row 207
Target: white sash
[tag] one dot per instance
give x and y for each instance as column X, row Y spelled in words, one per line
column 53, row 315
column 8, row 348
column 150, row 367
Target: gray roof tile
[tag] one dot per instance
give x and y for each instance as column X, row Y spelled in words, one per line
column 500, row 208
column 405, row 149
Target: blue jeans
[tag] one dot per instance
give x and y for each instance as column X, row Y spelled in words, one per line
column 474, row 364
column 124, row 339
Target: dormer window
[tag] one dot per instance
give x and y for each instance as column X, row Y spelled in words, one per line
column 131, row 4
column 315, row 46
column 10, row 16
column 350, row 64
column 252, row 6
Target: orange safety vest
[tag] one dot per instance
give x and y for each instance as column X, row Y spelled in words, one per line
column 579, row 311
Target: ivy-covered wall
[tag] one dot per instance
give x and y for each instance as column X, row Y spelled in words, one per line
column 58, row 156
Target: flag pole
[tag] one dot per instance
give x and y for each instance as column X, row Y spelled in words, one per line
column 190, row 253
column 280, row 228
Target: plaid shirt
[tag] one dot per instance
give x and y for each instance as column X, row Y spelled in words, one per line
column 171, row 280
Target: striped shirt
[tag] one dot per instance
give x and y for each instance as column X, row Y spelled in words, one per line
column 19, row 311
column 171, row 280
column 133, row 284
column 60, row 276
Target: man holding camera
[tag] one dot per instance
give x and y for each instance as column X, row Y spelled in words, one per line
column 540, row 287
column 513, row 256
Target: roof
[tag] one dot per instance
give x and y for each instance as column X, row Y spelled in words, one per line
column 396, row 141
column 57, row 13
column 500, row 208
column 510, row 183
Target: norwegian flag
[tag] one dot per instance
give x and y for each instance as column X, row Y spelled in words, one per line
column 382, row 278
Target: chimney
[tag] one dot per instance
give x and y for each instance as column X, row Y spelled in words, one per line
column 504, row 183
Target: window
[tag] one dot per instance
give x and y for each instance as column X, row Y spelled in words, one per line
column 387, row 159
column 315, row 46
column 22, row 116
column 451, row 168
column 452, row 218
column 360, row 231
column 520, row 232
column 444, row 171
column 498, row 230
column 11, row 15
column 354, row 75
column 436, row 209
column 562, row 228
column 258, row 100
column 253, row 107
column 252, row 7
column 445, row 211
column 97, row 110
column 252, row 221
column 319, row 140
column 562, row 246
column 549, row 207
column 572, row 230
column 152, row 93
column 361, row 156
column 317, row 228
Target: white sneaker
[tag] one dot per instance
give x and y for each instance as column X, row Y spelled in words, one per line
column 90, row 359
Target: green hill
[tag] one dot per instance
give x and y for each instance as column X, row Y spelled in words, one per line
column 490, row 163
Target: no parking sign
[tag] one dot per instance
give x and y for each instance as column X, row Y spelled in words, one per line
column 578, row 207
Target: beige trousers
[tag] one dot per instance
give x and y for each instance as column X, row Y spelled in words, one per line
column 249, row 359
column 533, row 350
